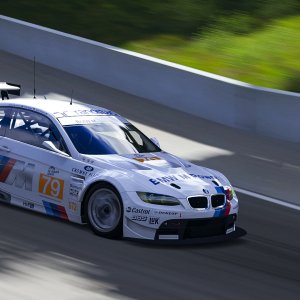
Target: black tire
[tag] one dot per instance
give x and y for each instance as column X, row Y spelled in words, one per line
column 103, row 209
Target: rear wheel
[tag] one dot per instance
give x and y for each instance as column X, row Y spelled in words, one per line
column 104, row 210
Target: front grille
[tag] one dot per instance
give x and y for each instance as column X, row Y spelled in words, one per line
column 217, row 200
column 198, row 202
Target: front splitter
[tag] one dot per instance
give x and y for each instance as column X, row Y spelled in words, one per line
column 238, row 233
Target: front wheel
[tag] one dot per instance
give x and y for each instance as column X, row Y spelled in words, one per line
column 104, row 211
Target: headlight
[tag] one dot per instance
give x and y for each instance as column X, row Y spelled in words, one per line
column 158, row 199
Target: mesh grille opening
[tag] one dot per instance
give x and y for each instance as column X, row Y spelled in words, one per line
column 217, row 200
column 198, row 202
column 205, row 228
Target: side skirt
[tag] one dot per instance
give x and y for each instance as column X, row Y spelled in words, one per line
column 47, row 208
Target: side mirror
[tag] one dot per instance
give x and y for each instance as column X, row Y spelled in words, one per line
column 49, row 145
column 155, row 141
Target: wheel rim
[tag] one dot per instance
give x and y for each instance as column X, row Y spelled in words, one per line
column 104, row 210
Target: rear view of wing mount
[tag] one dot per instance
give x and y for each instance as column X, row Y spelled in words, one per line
column 9, row 88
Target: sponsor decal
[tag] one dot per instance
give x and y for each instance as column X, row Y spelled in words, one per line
column 72, row 206
column 169, row 213
column 203, row 176
column 87, row 160
column 51, row 186
column 74, row 191
column 171, row 178
column 86, row 121
column 16, row 172
column 153, row 221
column 229, row 230
column 78, row 171
column 84, row 112
column 83, row 172
column 138, row 210
column 139, row 218
column 55, row 210
column 184, row 176
column 92, row 174
column 52, row 171
column 205, row 191
column 143, row 159
column 28, row 204
column 89, row 168
column 97, row 111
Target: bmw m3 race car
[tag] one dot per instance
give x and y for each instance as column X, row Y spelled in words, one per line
column 88, row 164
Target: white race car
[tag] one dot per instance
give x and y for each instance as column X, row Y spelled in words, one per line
column 89, row 165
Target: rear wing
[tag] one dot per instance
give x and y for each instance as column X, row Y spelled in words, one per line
column 9, row 88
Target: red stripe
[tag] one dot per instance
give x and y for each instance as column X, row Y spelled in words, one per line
column 62, row 213
column 6, row 170
column 227, row 210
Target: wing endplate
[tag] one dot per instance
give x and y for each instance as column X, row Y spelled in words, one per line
column 9, row 88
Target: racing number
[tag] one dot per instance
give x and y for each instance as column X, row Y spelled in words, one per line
column 51, row 186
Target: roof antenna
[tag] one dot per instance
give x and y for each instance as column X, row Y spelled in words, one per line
column 71, row 102
column 34, row 78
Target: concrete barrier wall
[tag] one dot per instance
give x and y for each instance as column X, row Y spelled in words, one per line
column 264, row 111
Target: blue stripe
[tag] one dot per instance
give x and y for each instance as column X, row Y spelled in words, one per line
column 49, row 209
column 3, row 162
column 220, row 189
column 219, row 212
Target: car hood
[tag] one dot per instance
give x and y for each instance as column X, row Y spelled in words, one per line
column 162, row 172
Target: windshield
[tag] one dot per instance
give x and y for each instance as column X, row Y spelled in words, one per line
column 109, row 138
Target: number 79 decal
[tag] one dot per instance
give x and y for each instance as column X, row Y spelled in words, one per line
column 51, row 186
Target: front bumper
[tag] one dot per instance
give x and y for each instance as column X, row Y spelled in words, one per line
column 157, row 223
column 194, row 231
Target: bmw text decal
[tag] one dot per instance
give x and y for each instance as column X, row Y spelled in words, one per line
column 16, row 172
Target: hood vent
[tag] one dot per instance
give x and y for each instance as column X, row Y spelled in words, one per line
column 175, row 186
column 216, row 182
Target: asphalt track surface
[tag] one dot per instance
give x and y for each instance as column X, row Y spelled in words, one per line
column 72, row 263
column 45, row 258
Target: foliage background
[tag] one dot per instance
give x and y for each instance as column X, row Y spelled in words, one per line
column 256, row 41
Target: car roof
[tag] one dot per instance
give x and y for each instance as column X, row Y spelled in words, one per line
column 58, row 108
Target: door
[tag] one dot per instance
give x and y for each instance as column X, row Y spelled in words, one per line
column 33, row 176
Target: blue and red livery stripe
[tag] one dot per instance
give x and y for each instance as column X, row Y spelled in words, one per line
column 223, row 211
column 55, row 210
column 6, row 165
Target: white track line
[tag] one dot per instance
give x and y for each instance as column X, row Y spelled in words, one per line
column 266, row 198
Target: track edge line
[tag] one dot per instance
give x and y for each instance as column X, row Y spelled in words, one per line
column 267, row 198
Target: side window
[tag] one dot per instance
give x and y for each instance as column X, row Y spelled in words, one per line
column 33, row 128
column 137, row 138
column 4, row 119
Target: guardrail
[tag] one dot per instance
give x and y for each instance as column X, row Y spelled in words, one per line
column 264, row 111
